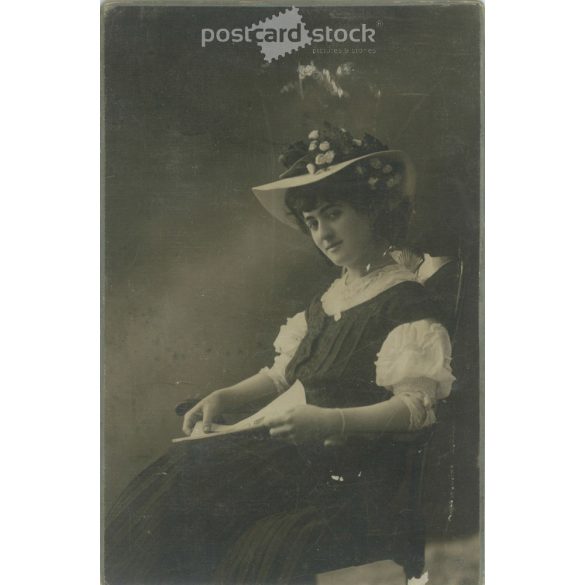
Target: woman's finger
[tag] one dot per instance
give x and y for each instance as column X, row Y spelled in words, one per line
column 190, row 418
column 281, row 431
column 188, row 423
column 207, row 419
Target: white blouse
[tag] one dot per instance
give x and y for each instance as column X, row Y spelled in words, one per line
column 414, row 361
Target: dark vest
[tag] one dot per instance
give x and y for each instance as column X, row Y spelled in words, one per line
column 336, row 359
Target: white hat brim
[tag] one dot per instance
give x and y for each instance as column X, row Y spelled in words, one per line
column 272, row 195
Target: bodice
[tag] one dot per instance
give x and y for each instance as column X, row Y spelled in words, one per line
column 335, row 360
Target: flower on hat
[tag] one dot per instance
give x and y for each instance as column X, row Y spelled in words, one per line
column 311, row 168
column 325, row 158
column 329, row 156
column 345, row 69
column 372, row 182
column 307, row 70
column 330, row 144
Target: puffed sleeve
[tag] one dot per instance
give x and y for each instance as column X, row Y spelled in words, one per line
column 286, row 343
column 415, row 363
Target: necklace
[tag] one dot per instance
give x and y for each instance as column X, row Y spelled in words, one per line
column 343, row 295
column 386, row 259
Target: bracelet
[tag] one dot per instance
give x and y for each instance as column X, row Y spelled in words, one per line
column 340, row 411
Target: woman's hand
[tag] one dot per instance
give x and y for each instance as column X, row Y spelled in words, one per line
column 305, row 423
column 207, row 409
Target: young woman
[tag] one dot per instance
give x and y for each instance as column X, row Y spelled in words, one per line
column 280, row 504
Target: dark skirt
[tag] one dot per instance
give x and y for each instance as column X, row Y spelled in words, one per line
column 248, row 509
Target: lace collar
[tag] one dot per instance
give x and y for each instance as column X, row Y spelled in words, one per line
column 342, row 296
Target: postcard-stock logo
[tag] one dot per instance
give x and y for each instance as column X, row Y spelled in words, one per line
column 285, row 33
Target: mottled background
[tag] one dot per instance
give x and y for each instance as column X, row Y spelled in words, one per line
column 198, row 277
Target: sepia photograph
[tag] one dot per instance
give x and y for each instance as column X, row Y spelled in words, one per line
column 292, row 293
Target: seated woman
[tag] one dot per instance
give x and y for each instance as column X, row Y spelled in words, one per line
column 276, row 505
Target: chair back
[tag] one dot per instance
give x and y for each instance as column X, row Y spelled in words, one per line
column 444, row 282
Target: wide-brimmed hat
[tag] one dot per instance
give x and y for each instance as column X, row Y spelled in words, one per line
column 329, row 151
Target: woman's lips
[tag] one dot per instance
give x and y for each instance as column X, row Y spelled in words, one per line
column 333, row 247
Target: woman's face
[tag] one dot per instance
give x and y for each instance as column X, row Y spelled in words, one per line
column 342, row 233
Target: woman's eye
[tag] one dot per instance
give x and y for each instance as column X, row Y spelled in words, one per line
column 334, row 213
column 312, row 225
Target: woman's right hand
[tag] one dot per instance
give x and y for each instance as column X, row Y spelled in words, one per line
column 207, row 409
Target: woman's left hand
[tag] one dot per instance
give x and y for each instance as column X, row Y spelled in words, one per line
column 304, row 423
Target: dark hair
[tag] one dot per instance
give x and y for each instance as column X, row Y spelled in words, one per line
column 388, row 224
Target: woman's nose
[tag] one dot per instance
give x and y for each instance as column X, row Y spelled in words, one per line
column 326, row 231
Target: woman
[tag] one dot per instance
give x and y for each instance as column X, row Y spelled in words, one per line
column 279, row 505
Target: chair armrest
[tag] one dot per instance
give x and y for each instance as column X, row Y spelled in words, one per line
column 416, row 438
column 420, row 437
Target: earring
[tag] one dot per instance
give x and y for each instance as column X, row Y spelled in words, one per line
column 387, row 248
